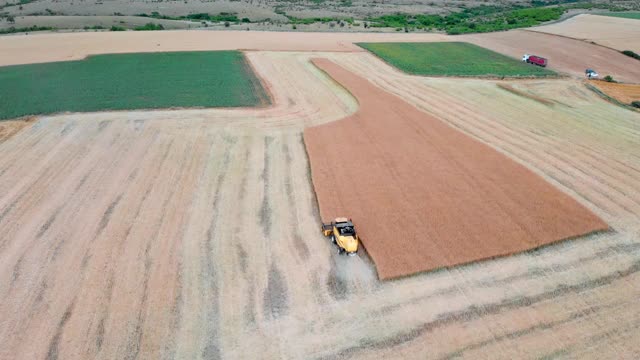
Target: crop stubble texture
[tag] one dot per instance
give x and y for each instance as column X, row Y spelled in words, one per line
column 424, row 195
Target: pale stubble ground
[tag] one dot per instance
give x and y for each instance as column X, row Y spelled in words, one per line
column 195, row 234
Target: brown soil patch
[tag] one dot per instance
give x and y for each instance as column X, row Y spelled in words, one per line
column 426, row 196
column 625, row 93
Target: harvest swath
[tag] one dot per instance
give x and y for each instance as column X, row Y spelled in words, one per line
column 130, row 81
column 195, row 233
column 451, row 59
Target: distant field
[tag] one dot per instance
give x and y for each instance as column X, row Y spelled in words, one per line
column 130, row 81
column 626, row 15
column 451, row 59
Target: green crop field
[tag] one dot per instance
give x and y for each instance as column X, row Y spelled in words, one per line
column 626, row 15
column 452, row 59
column 130, row 81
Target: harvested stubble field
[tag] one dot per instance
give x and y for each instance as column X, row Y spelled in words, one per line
column 89, row 270
column 617, row 33
column 425, row 195
column 452, row 59
column 130, row 81
column 566, row 55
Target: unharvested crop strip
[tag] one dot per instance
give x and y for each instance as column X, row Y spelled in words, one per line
column 425, row 195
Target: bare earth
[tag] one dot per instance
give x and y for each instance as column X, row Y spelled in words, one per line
column 426, row 196
column 617, row 33
column 194, row 233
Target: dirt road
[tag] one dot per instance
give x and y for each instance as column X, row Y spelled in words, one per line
column 193, row 234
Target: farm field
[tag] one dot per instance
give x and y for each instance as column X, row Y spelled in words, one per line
column 451, row 59
column 130, row 81
column 565, row 55
column 194, row 233
column 614, row 32
column 426, row 177
column 9, row 128
column 625, row 93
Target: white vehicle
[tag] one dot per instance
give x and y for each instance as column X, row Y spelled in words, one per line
column 591, row 74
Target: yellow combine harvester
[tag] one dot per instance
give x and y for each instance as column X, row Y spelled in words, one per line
column 343, row 234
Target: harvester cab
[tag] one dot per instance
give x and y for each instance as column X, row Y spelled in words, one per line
column 342, row 233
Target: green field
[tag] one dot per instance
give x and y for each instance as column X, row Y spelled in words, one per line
column 626, row 15
column 452, row 59
column 130, row 81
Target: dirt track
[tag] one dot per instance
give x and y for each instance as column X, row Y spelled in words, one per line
column 565, row 55
column 613, row 32
column 426, row 196
column 60, row 176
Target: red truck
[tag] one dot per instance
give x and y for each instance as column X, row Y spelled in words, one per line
column 534, row 60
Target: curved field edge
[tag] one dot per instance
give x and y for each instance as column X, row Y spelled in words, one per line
column 131, row 82
column 452, row 59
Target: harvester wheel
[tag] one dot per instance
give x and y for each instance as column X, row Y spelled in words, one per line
column 333, row 239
